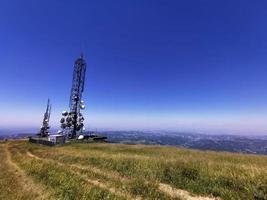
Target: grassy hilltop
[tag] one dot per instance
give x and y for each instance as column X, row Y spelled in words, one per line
column 114, row 171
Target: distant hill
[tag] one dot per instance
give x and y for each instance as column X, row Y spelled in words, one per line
column 119, row 171
column 232, row 143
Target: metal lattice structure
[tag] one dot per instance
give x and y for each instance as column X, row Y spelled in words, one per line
column 44, row 130
column 72, row 121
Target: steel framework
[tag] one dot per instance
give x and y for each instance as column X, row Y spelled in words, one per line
column 72, row 121
column 44, row 130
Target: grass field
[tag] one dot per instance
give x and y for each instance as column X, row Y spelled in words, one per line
column 114, row 171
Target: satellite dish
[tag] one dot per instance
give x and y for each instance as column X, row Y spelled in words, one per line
column 60, row 132
column 81, row 137
column 69, row 119
column 62, row 120
column 63, row 126
column 64, row 113
column 82, row 106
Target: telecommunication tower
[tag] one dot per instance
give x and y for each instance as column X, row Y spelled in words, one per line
column 45, row 126
column 72, row 121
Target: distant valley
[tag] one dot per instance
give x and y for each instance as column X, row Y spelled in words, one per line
column 231, row 143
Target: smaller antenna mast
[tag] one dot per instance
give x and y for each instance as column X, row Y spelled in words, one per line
column 45, row 126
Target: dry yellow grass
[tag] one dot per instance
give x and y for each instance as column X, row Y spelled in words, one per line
column 115, row 171
column 14, row 183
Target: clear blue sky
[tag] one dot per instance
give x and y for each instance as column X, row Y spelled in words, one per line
column 196, row 65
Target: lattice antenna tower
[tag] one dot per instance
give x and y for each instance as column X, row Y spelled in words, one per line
column 72, row 121
column 44, row 130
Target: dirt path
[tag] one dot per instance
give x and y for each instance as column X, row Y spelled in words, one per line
column 165, row 188
column 97, row 183
column 110, row 189
column 26, row 182
column 182, row 194
column 33, row 156
column 95, row 170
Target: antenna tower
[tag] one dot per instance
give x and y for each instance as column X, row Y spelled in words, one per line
column 72, row 121
column 45, row 126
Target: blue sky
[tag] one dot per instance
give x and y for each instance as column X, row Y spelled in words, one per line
column 178, row 65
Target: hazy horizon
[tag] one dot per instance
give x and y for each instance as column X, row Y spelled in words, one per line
column 7, row 130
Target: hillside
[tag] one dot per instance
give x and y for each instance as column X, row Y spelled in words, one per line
column 113, row 171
